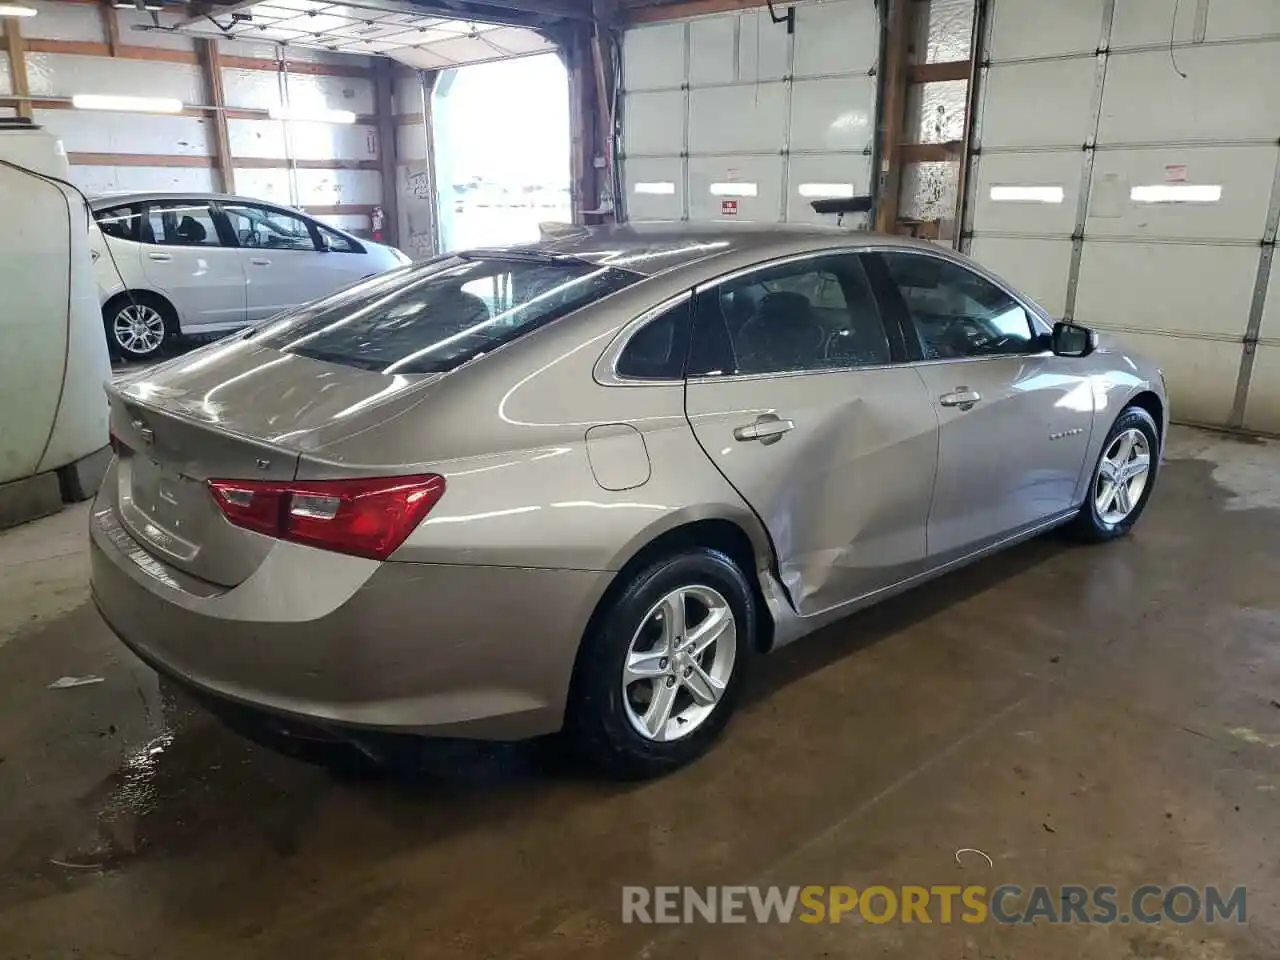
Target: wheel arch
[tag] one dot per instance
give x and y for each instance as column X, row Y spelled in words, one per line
column 1149, row 401
column 130, row 294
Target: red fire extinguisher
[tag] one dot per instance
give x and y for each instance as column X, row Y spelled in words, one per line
column 378, row 220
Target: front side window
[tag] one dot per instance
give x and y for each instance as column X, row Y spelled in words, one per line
column 269, row 229
column 336, row 242
column 180, row 223
column 955, row 312
column 437, row 316
column 120, row 222
column 815, row 315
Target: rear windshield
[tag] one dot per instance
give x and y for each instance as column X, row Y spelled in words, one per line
column 432, row 318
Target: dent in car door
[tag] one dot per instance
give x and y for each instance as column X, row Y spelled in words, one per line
column 794, row 395
column 1014, row 420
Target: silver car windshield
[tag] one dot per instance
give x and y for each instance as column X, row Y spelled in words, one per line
column 432, row 318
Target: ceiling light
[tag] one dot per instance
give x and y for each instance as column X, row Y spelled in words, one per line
column 1177, row 193
column 1029, row 194
column 144, row 6
column 96, row 101
column 311, row 116
column 16, row 10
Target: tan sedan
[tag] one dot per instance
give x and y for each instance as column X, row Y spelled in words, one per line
column 584, row 484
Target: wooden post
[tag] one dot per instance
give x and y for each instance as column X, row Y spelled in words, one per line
column 211, row 67
column 18, row 66
column 384, row 108
column 894, row 117
column 110, row 26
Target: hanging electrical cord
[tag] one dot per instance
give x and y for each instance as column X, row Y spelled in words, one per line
column 1173, row 27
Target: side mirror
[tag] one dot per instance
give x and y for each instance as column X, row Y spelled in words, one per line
column 1073, row 340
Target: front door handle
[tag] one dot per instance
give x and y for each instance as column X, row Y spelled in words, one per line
column 962, row 397
column 160, row 257
column 259, row 262
column 768, row 428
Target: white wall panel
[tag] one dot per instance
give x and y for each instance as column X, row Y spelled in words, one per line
column 411, row 141
column 1262, row 411
column 1145, row 101
column 834, row 114
column 1027, row 170
column 6, row 81
column 1038, row 268
column 408, row 95
column 1167, row 286
column 655, row 188
column 352, row 223
column 1038, row 104
column 84, row 131
column 1243, row 173
column 653, row 56
column 1149, row 21
column 716, row 41
column 63, row 75
column 310, row 92
column 1039, row 28
column 729, row 119
column 328, row 187
column 307, row 141
column 831, row 170
column 63, row 21
column 839, row 36
column 96, row 180
column 1270, row 327
column 270, row 185
column 740, row 174
column 1242, row 18
column 652, row 124
column 251, row 89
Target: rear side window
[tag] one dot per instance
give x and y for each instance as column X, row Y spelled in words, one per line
column 435, row 317
column 180, row 223
column 120, row 222
column 657, row 351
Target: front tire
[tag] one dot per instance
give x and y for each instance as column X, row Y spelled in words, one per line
column 1122, row 479
column 138, row 327
column 662, row 667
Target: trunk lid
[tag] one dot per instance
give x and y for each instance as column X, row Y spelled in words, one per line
column 233, row 410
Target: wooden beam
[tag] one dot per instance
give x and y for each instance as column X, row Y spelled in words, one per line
column 409, row 119
column 280, row 163
column 88, row 48
column 980, row 13
column 110, row 26
column 894, row 110
column 211, row 68
column 138, row 160
column 693, row 8
column 930, row 152
column 388, row 161
column 937, row 72
column 340, row 209
column 17, row 65
column 296, row 66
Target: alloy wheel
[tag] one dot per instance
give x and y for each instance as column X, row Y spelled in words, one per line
column 1122, row 476
column 679, row 663
column 138, row 329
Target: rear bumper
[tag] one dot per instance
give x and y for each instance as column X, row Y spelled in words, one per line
column 432, row 649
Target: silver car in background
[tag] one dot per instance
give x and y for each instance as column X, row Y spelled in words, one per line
column 172, row 264
column 584, row 484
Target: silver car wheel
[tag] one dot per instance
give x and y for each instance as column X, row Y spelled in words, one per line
column 679, row 663
column 138, row 328
column 1122, row 476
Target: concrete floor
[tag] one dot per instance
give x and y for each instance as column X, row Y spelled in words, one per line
column 1082, row 715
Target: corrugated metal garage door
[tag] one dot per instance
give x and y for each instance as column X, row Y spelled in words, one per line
column 1137, row 189
column 730, row 117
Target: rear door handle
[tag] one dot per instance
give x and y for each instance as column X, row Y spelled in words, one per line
column 768, row 428
column 259, row 262
column 962, row 397
column 161, row 257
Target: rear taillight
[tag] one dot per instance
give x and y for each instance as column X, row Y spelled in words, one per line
column 369, row 517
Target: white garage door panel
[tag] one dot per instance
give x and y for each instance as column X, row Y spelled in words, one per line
column 1262, row 412
column 835, row 114
column 1271, row 310
column 653, row 57
column 1038, row 104
column 832, row 175
column 714, row 39
column 1140, row 22
column 1038, row 268
column 1242, row 18
column 1039, row 28
column 1028, row 170
column 732, row 178
column 655, row 188
column 762, row 47
column 1145, row 101
column 730, row 119
column 1201, row 374
column 1166, row 286
column 840, row 36
column 1243, row 173
column 653, row 124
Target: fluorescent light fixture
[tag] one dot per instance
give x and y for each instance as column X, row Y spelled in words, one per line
column 660, row 188
column 827, row 191
column 311, row 116
column 16, row 10
column 1029, row 194
column 733, row 189
column 1177, row 193
column 100, row 101
column 130, row 5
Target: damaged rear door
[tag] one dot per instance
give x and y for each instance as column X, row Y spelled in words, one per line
column 798, row 392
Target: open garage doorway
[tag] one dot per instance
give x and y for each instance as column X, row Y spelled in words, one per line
column 501, row 133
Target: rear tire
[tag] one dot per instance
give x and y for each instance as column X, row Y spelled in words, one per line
column 139, row 326
column 645, row 654
column 1119, row 487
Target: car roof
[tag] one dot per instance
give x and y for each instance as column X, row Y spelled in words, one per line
column 656, row 247
column 102, row 200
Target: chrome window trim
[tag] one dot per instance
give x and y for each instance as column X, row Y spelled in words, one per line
column 606, row 368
